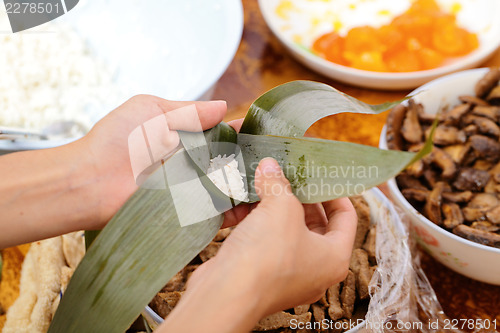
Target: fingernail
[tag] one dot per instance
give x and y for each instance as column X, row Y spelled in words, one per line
column 269, row 166
column 218, row 103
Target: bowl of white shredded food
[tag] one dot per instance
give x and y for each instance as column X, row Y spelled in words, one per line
column 50, row 76
column 86, row 63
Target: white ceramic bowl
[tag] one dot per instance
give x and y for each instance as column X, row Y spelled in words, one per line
column 482, row 12
column 377, row 201
column 471, row 259
column 174, row 49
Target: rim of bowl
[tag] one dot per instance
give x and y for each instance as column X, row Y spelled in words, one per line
column 234, row 26
column 399, row 195
column 375, row 196
column 467, row 61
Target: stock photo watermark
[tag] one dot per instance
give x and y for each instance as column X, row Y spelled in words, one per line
column 328, row 180
column 27, row 14
column 398, row 324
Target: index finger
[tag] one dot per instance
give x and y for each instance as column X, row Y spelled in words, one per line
column 236, row 124
column 342, row 220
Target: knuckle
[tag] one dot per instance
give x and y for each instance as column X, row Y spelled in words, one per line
column 292, row 204
column 139, row 98
column 144, row 100
column 292, row 201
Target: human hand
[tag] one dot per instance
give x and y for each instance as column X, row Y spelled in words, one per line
column 81, row 185
column 282, row 254
column 109, row 144
column 296, row 251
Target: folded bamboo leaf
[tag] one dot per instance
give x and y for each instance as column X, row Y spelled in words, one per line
column 90, row 236
column 321, row 170
column 139, row 250
column 291, row 108
column 201, row 147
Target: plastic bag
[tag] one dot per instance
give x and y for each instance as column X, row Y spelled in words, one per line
column 402, row 298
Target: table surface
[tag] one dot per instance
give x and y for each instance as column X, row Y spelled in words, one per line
column 261, row 63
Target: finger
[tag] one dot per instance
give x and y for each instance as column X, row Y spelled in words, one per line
column 342, row 220
column 270, row 182
column 234, row 216
column 141, row 108
column 156, row 137
column 315, row 218
column 149, row 143
column 236, row 124
column 196, row 116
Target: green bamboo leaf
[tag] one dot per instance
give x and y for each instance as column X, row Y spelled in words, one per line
column 139, row 250
column 201, row 147
column 90, row 235
column 291, row 108
column 321, row 170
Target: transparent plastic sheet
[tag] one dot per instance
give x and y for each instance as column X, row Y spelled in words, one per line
column 402, row 298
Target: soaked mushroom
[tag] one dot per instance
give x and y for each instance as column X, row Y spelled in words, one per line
column 485, row 147
column 394, row 123
column 407, row 181
column 470, row 130
column 445, row 135
column 494, row 96
column 473, row 100
column 483, row 201
column 452, row 215
column 485, row 225
column 427, row 118
column 456, row 113
column 485, row 126
column 478, row 236
column 495, row 172
column 494, row 215
column 491, row 187
column 431, row 177
column 444, row 161
column 432, row 207
column 458, row 197
column 416, row 169
column 415, row 194
column 486, row 83
column 470, row 179
column 473, row 214
column 457, row 152
column 457, row 185
column 490, row 112
column 482, row 165
column 411, row 129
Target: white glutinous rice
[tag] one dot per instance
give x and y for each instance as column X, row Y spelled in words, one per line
column 48, row 75
column 224, row 173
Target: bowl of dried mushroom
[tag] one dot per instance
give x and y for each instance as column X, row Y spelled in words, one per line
column 343, row 306
column 452, row 196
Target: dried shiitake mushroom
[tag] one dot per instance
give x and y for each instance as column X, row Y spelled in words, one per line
column 457, row 186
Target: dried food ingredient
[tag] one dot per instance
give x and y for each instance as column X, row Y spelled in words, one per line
column 457, row 186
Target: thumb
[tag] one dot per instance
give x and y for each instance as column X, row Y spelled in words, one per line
column 270, row 182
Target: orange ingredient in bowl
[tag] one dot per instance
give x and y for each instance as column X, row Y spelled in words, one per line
column 421, row 38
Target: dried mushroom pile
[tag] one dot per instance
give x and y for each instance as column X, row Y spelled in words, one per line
column 457, row 186
column 341, row 302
